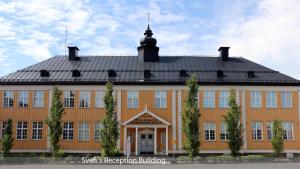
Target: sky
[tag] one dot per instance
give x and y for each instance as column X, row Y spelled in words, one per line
column 263, row 31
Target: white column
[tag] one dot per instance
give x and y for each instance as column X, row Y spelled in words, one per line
column 179, row 122
column 119, row 114
column 136, row 140
column 125, row 138
column 244, row 120
column 155, row 140
column 174, row 118
column 167, row 141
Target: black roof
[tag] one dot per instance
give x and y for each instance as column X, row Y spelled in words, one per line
column 129, row 70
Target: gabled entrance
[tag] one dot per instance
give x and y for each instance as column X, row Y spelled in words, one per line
column 145, row 139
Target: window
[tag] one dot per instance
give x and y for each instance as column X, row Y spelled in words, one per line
column 3, row 128
column 209, row 99
column 85, row 97
column 224, row 99
column 210, row 131
column 256, row 130
column 160, row 99
column 37, row 130
column 255, row 99
column 22, row 130
column 287, row 130
column 69, row 97
column 38, row 100
column 132, row 99
column 23, row 99
column 224, row 132
column 98, row 127
column 286, row 99
column 84, row 132
column 8, row 99
column 271, row 99
column 68, row 131
column 163, row 138
column 270, row 130
column 99, row 99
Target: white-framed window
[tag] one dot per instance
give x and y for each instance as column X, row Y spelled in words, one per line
column 69, row 99
column 287, row 130
column 255, row 99
column 270, row 130
column 99, row 99
column 83, row 131
column 224, row 99
column 210, row 131
column 163, row 138
column 224, row 132
column 3, row 126
column 38, row 99
column 8, row 99
column 271, row 99
column 23, row 99
column 256, row 130
column 37, row 130
column 21, row 130
column 132, row 99
column 85, row 99
column 286, row 99
column 98, row 127
column 209, row 99
column 68, row 131
column 160, row 99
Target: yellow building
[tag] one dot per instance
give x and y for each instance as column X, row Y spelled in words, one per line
column 150, row 92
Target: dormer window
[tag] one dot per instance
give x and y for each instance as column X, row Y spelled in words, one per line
column 183, row 73
column 220, row 74
column 147, row 73
column 44, row 73
column 75, row 73
column 111, row 73
column 251, row 74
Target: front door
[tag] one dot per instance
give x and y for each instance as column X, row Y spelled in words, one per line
column 146, row 143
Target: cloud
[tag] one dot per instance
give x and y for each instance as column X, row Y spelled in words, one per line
column 271, row 36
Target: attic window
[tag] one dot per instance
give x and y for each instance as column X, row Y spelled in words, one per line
column 220, row 73
column 111, row 73
column 147, row 73
column 75, row 73
column 251, row 74
column 183, row 73
column 44, row 73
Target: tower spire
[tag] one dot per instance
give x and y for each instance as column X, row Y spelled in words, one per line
column 148, row 17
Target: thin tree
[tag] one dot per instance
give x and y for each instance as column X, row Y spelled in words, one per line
column 109, row 134
column 277, row 138
column 234, row 125
column 7, row 140
column 190, row 118
column 54, row 121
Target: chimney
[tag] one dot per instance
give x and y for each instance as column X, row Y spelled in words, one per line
column 223, row 53
column 73, row 53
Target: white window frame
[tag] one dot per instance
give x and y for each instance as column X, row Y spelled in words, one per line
column 133, row 99
column 210, row 129
column 68, row 129
column 37, row 130
column 84, row 99
column 271, row 99
column 23, row 99
column 38, row 99
column 286, row 99
column 83, row 131
column 22, row 131
column 97, row 128
column 255, row 99
column 209, row 99
column 8, row 99
column 99, row 98
column 255, row 127
column 270, row 130
column 160, row 99
column 69, row 98
column 288, row 133
column 224, row 99
column 3, row 125
column 223, row 131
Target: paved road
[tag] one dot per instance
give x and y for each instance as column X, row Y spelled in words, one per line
column 179, row 166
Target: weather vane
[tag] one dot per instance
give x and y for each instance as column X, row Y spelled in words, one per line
column 148, row 15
